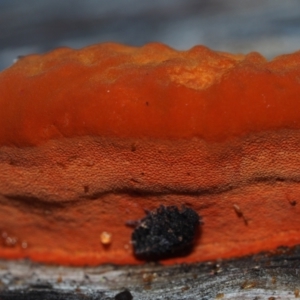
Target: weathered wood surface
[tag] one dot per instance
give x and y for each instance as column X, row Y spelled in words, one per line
column 270, row 27
column 261, row 276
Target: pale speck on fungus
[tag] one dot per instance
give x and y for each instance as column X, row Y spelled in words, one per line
column 240, row 213
column 24, row 244
column 237, row 210
column 105, row 238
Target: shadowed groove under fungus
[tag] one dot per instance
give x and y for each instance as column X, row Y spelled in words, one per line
column 39, row 202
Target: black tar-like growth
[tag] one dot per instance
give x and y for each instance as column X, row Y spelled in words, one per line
column 166, row 231
column 125, row 295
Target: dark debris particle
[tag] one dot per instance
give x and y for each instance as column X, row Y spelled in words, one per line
column 125, row 295
column 41, row 286
column 165, row 232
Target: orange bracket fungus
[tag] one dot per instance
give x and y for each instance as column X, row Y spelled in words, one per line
column 91, row 138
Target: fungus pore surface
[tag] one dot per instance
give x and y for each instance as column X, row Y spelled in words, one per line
column 91, row 138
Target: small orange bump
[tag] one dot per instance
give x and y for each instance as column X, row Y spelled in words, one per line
column 105, row 238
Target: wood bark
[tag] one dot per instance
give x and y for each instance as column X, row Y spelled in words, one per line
column 263, row 276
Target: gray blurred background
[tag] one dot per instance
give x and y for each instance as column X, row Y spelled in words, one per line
column 271, row 27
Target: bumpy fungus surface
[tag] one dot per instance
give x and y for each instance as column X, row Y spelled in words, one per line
column 90, row 138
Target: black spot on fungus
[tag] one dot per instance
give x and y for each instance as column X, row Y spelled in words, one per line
column 165, row 232
column 125, row 295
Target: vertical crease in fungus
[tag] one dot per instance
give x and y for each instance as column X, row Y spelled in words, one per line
column 165, row 232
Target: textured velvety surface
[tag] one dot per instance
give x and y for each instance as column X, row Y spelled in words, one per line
column 91, row 138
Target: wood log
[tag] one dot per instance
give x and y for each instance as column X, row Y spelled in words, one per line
column 262, row 276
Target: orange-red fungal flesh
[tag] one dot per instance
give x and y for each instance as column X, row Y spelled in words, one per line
column 90, row 138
